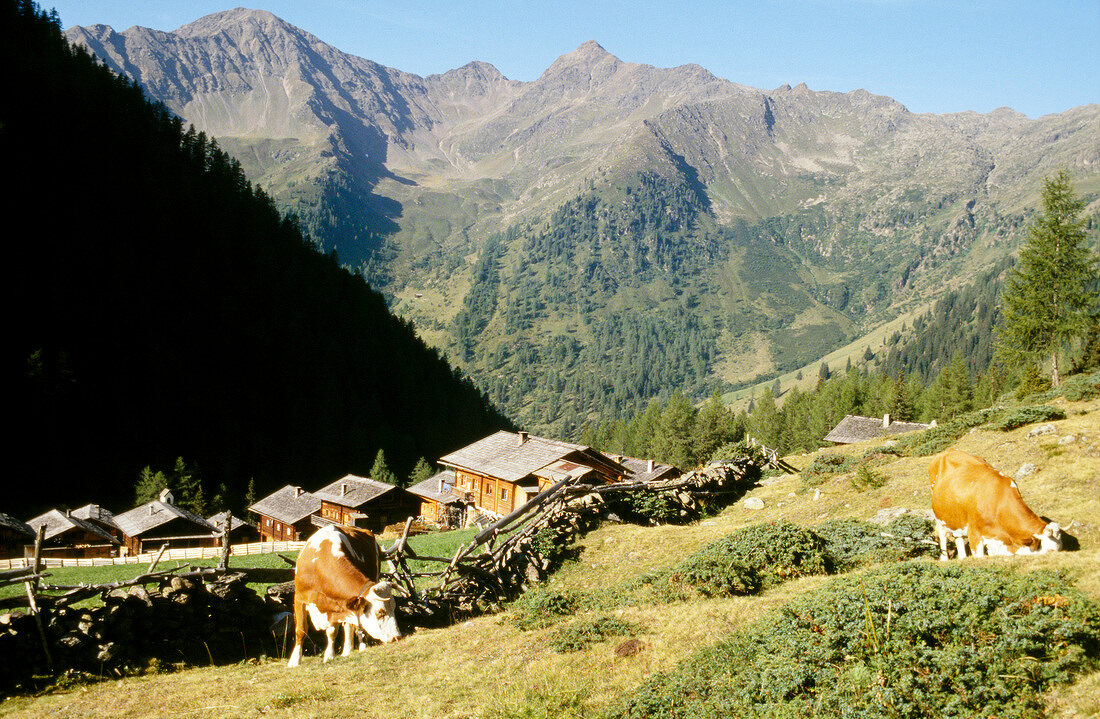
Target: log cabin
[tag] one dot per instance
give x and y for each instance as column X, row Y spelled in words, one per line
column 354, row 501
column 285, row 514
column 504, row 470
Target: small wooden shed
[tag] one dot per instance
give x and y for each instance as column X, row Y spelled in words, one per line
column 363, row 502
column 285, row 514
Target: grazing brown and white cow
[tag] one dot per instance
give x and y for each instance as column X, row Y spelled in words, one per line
column 974, row 502
column 336, row 583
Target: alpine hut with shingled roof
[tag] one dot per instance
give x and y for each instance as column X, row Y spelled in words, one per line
column 285, row 514
column 441, row 502
column 15, row 536
column 854, row 428
column 502, row 471
column 153, row 524
column 72, row 537
column 363, row 502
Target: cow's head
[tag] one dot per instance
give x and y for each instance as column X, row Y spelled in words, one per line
column 377, row 612
column 1050, row 539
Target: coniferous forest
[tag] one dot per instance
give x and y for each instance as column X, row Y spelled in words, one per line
column 162, row 308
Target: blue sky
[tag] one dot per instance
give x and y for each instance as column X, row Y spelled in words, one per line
column 930, row 55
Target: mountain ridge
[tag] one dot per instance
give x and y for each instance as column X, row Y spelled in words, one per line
column 859, row 207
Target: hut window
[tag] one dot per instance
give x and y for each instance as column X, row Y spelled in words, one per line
column 503, row 493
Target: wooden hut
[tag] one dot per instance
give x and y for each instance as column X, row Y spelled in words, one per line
column 156, row 523
column 440, row 502
column 363, row 502
column 285, row 514
column 854, row 428
column 15, row 536
column 72, row 537
column 502, row 471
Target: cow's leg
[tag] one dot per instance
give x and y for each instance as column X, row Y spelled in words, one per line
column 960, row 542
column 349, row 638
column 941, row 534
column 299, row 633
column 330, row 635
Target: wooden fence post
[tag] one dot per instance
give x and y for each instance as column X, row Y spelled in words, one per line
column 32, row 586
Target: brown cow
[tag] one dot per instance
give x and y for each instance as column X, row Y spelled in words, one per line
column 336, row 582
column 972, row 500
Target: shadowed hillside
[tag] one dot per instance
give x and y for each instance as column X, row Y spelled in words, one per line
column 164, row 308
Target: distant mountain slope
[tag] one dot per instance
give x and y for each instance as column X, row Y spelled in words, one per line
column 849, row 205
column 163, row 308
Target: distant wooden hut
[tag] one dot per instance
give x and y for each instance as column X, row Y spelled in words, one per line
column 363, row 502
column 240, row 531
column 441, row 502
column 285, row 514
column 15, row 536
column 502, row 471
column 72, row 537
column 854, row 428
column 160, row 522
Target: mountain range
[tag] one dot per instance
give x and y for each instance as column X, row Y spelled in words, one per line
column 611, row 231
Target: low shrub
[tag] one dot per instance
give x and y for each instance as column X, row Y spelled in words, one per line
column 825, row 466
column 853, row 543
column 646, row 507
column 911, row 640
column 1081, row 387
column 580, row 636
column 866, row 478
column 754, row 558
column 541, row 607
column 1020, row 416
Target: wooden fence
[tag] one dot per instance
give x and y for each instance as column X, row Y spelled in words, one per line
column 146, row 558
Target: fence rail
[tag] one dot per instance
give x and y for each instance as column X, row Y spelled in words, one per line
column 145, row 558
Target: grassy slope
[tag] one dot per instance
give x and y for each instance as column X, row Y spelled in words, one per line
column 487, row 667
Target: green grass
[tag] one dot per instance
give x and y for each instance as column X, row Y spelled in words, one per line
column 262, row 571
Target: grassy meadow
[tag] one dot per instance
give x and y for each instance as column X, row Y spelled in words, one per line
column 495, row 667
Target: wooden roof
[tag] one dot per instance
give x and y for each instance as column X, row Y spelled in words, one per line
column 429, row 488
column 640, row 471
column 94, row 513
column 58, row 523
column 151, row 515
column 511, row 456
column 854, row 428
column 14, row 525
column 352, row 491
column 235, row 523
column 288, row 505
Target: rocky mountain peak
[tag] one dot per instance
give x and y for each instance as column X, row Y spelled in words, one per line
column 234, row 21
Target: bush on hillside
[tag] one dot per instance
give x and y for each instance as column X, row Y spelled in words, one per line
column 580, row 636
column 853, row 543
column 753, row 559
column 540, row 607
column 825, row 466
column 905, row 641
column 1020, row 416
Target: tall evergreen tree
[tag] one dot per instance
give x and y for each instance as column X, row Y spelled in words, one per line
column 380, row 471
column 1050, row 295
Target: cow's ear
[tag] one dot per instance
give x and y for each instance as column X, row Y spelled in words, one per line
column 357, row 604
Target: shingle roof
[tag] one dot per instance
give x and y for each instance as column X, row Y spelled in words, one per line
column 9, row 522
column 429, row 488
column 58, row 523
column 503, row 455
column 353, row 491
column 153, row 514
column 288, row 505
column 854, row 428
column 94, row 513
column 640, row 471
column 218, row 520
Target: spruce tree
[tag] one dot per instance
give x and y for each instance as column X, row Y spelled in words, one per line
column 380, row 471
column 1050, row 296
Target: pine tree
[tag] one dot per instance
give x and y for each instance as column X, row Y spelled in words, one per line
column 380, row 471
column 420, row 472
column 1050, row 295
column 187, row 485
column 149, row 485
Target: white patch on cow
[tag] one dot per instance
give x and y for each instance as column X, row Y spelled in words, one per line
column 994, row 547
column 319, row 618
column 328, row 534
